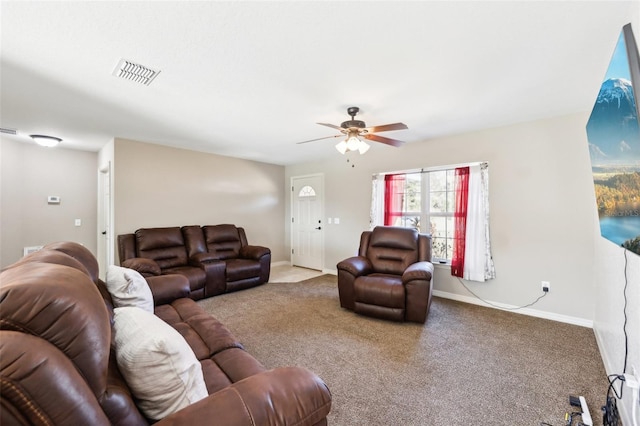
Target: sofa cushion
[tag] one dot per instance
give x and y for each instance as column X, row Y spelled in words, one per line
column 224, row 361
column 128, row 288
column 380, row 290
column 392, row 249
column 223, row 241
column 157, row 363
column 197, row 277
column 164, row 245
column 242, row 269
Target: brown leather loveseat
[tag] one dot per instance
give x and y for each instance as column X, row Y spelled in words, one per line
column 58, row 354
column 215, row 259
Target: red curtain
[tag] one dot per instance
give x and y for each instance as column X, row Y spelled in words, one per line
column 393, row 197
column 460, row 220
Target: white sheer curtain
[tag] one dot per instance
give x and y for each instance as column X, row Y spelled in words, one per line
column 377, row 201
column 478, row 262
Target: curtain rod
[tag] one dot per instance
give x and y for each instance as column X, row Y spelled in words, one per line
column 432, row 169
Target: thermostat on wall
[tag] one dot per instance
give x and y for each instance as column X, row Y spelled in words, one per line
column 53, row 199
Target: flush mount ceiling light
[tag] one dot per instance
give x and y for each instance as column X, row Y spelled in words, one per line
column 135, row 72
column 48, row 141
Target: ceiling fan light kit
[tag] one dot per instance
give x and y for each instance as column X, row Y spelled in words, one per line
column 352, row 143
column 355, row 129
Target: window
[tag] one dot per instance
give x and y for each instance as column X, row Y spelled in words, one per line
column 413, row 198
column 307, row 191
column 450, row 203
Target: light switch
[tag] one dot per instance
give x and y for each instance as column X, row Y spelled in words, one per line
column 329, row 221
column 336, row 221
column 78, row 222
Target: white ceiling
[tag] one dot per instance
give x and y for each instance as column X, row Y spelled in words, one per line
column 250, row 79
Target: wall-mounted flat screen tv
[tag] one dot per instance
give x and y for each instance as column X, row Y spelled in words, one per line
column 613, row 132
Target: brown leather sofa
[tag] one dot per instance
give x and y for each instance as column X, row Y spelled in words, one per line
column 391, row 276
column 215, row 259
column 57, row 362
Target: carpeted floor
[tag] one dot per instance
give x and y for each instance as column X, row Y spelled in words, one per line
column 468, row 365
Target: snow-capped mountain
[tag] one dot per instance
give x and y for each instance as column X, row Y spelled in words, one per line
column 613, row 125
column 617, row 92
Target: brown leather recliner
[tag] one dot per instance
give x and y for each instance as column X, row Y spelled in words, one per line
column 244, row 265
column 216, row 259
column 58, row 364
column 391, row 276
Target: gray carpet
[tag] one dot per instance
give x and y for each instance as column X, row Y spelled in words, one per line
column 468, row 365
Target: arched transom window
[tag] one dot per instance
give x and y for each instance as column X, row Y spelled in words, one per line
column 307, row 191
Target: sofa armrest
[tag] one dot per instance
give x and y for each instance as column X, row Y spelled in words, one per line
column 146, row 267
column 215, row 271
column 418, row 271
column 284, row 396
column 253, row 252
column 356, row 266
column 167, row 288
column 200, row 258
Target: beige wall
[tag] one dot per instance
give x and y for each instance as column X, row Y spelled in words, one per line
column 542, row 208
column 162, row 186
column 29, row 173
column 613, row 270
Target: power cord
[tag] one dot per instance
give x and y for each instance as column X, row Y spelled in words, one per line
column 610, row 414
column 568, row 418
column 501, row 307
column 624, row 312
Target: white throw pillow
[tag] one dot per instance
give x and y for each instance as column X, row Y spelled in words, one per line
column 156, row 362
column 128, row 288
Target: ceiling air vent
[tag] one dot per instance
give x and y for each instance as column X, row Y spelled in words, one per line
column 135, row 72
column 8, row 131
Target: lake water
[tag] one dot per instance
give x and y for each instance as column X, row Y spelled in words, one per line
column 620, row 228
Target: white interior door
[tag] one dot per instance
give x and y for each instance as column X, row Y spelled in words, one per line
column 105, row 244
column 307, row 230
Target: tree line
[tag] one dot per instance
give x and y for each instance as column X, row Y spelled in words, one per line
column 619, row 195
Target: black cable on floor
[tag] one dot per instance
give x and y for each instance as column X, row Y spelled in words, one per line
column 500, row 307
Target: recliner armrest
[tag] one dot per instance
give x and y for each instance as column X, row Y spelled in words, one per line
column 253, row 252
column 356, row 266
column 146, row 267
column 199, row 258
column 167, row 288
column 215, row 271
column 290, row 395
column 418, row 271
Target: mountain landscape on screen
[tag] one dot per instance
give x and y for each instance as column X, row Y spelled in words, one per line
column 613, row 134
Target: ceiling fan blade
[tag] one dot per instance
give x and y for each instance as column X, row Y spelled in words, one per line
column 319, row 139
column 333, row 126
column 387, row 127
column 381, row 139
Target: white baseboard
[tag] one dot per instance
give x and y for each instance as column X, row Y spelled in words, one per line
column 330, row 271
column 281, row 263
column 525, row 311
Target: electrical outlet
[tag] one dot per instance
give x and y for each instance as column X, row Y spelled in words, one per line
column 546, row 286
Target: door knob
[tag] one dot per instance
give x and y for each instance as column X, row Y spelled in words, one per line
column 319, row 228
column 104, row 232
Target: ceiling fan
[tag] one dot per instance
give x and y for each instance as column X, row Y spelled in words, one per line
column 356, row 129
